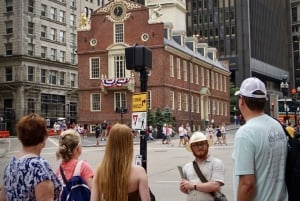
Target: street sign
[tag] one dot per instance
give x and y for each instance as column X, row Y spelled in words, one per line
column 139, row 121
column 139, row 102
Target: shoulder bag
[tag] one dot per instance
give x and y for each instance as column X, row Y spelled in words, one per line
column 218, row 196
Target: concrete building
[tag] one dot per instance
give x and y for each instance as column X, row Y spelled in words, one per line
column 38, row 60
column 295, row 12
column 186, row 76
column 253, row 35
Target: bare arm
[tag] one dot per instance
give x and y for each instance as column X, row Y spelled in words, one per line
column 143, row 186
column 2, row 194
column 44, row 191
column 211, row 186
column 95, row 191
column 246, row 187
column 89, row 182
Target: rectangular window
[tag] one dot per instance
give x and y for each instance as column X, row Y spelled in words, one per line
column 96, row 102
column 179, row 101
column 185, row 102
column 53, row 77
column 198, row 105
column 202, row 77
column 212, row 80
column 73, row 80
column 94, row 68
column 30, row 28
column 53, row 34
column 217, row 81
column 30, row 49
column 8, row 74
column 43, row 31
column 120, row 100
column 197, row 74
column 53, row 13
column 178, row 68
column 73, row 3
column 9, row 27
column 62, row 56
column 43, row 10
column 191, row 73
column 171, row 66
column 62, row 37
column 73, row 57
column 225, row 84
column 62, row 76
column 43, row 76
column 207, row 78
column 72, row 20
column 62, row 16
column 9, row 49
column 30, row 73
column 30, row 6
column 184, row 70
column 9, row 5
column 119, row 33
column 172, row 101
column 30, row 102
column 73, row 39
column 119, row 66
column 43, row 52
column 53, row 54
column 192, row 103
column 149, row 105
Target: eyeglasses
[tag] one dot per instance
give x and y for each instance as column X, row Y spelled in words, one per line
column 199, row 144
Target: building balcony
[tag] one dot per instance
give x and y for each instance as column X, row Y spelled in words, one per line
column 113, row 84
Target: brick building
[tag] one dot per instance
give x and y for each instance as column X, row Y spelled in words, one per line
column 186, row 76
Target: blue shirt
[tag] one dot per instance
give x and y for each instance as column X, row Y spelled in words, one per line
column 21, row 175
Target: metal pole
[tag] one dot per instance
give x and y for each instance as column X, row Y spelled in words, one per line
column 143, row 137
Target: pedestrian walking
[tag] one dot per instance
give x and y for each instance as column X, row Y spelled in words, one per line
column 97, row 133
column 260, row 148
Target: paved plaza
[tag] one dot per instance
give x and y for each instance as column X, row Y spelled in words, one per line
column 161, row 164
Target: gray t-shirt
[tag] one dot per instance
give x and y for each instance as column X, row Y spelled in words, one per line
column 260, row 148
column 213, row 170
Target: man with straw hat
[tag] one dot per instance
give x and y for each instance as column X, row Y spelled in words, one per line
column 211, row 168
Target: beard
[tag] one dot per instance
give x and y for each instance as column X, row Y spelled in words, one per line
column 200, row 154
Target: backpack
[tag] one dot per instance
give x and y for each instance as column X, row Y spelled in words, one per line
column 75, row 188
column 292, row 172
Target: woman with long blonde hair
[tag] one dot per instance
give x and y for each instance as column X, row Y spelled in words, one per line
column 117, row 179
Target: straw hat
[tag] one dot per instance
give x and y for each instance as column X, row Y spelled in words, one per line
column 196, row 137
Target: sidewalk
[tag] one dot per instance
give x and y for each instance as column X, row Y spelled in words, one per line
column 90, row 140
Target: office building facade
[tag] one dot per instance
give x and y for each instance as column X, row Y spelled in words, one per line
column 38, row 60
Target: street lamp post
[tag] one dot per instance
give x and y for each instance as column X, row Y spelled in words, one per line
column 284, row 86
column 234, row 117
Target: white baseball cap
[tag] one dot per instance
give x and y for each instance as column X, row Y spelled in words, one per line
column 196, row 137
column 249, row 86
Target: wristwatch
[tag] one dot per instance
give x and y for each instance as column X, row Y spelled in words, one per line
column 195, row 187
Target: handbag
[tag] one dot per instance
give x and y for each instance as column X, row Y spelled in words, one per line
column 218, row 196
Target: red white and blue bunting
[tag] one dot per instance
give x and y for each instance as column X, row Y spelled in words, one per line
column 119, row 82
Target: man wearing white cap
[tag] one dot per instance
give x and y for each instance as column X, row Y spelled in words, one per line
column 260, row 149
column 211, row 168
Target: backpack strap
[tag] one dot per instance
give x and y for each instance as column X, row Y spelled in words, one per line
column 62, row 174
column 78, row 168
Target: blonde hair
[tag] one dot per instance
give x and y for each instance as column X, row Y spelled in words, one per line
column 112, row 175
column 68, row 142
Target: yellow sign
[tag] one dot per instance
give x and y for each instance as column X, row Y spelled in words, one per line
column 139, row 102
